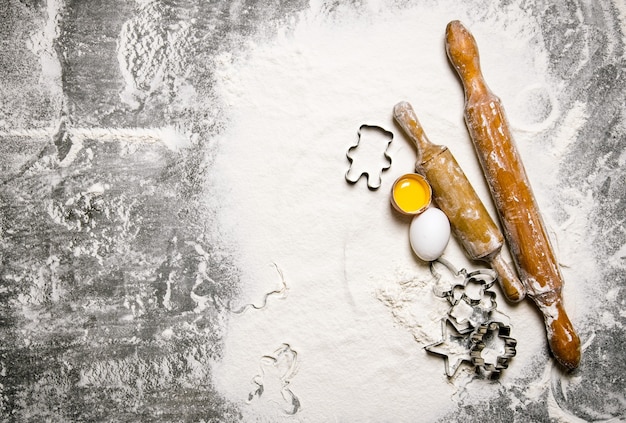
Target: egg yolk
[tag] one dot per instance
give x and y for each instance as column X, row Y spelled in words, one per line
column 410, row 194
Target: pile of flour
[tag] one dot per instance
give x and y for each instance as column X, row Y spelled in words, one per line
column 359, row 308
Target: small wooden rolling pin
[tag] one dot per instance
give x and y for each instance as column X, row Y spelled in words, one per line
column 510, row 188
column 455, row 196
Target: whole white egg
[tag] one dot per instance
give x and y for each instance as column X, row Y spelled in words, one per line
column 429, row 234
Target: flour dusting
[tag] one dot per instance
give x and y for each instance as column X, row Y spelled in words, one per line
column 297, row 100
column 179, row 241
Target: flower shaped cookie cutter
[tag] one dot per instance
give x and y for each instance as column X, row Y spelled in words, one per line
column 491, row 348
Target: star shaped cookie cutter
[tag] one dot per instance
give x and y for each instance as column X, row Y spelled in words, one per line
column 453, row 347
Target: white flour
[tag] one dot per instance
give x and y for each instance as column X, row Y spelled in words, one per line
column 359, row 307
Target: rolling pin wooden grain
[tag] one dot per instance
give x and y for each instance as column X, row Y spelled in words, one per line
column 455, row 196
column 510, row 188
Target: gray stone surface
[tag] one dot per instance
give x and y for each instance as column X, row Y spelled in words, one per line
column 109, row 254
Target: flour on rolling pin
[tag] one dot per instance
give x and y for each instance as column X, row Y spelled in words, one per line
column 510, row 188
column 455, row 196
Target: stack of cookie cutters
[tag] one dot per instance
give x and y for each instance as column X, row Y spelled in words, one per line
column 473, row 331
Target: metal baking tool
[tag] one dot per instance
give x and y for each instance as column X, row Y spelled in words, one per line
column 466, row 316
column 492, row 348
column 369, row 161
column 473, row 325
column 453, row 347
column 444, row 281
column 444, row 287
column 471, row 301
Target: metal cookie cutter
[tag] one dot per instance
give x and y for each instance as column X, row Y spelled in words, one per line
column 453, row 347
column 491, row 349
column 473, row 331
column 472, row 302
column 354, row 174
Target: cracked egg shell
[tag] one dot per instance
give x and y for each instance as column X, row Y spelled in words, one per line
column 429, row 234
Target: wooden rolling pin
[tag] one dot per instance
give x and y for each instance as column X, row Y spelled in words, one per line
column 455, row 196
column 505, row 174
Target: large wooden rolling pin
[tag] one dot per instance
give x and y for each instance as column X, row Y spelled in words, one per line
column 510, row 188
column 455, row 196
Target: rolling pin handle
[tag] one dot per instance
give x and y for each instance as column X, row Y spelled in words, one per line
column 407, row 119
column 514, row 290
column 563, row 340
column 462, row 51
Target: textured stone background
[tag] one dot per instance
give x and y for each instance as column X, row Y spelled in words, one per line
column 114, row 284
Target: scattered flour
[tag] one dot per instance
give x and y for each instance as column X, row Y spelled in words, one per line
column 42, row 45
column 358, row 311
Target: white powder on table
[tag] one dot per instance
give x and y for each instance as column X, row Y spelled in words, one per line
column 359, row 307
